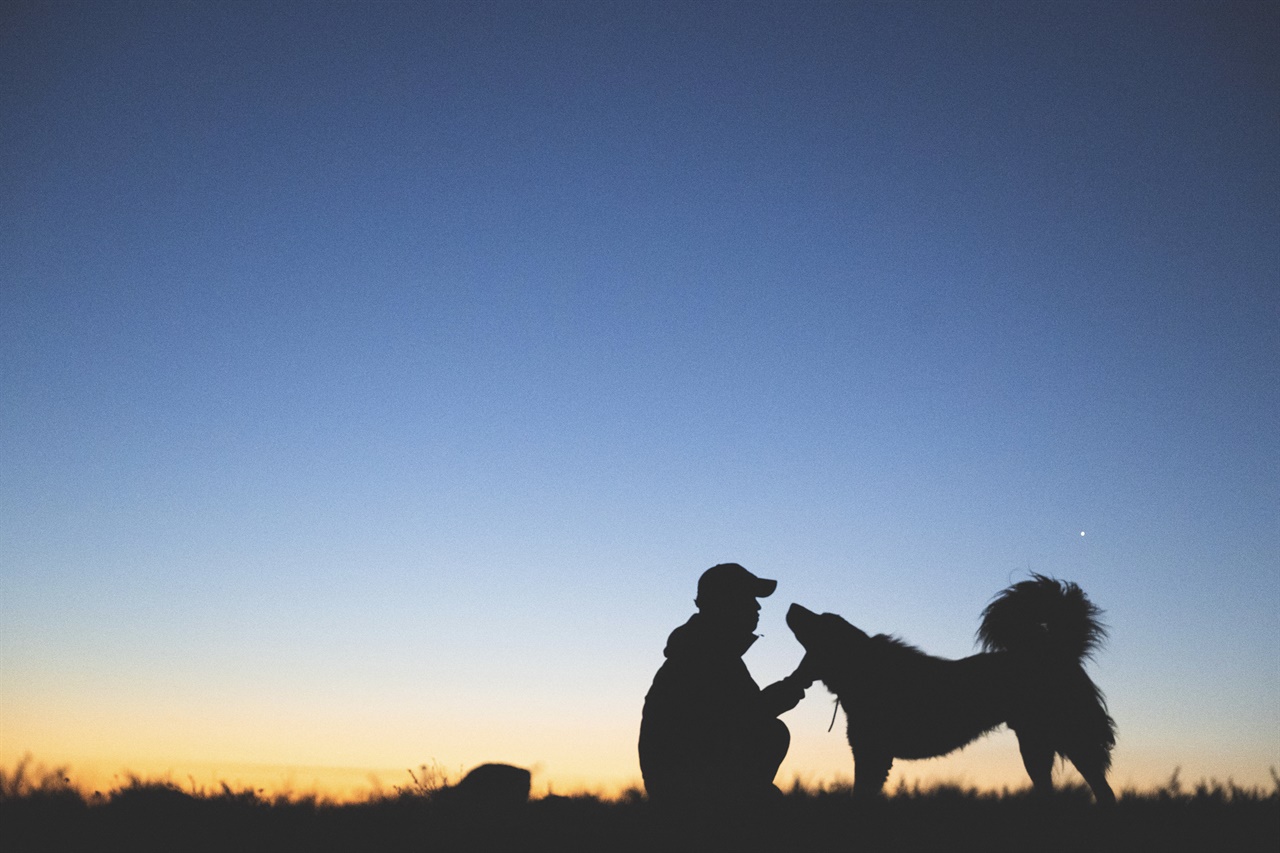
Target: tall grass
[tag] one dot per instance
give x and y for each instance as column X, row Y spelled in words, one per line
column 42, row 810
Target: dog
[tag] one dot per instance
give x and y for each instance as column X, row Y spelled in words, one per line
column 902, row 703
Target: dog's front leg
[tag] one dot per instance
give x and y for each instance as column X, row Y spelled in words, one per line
column 1037, row 757
column 870, row 770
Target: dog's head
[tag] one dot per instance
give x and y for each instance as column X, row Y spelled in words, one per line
column 825, row 637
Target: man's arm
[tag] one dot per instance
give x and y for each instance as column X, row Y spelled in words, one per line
column 782, row 696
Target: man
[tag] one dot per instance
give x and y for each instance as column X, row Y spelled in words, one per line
column 709, row 735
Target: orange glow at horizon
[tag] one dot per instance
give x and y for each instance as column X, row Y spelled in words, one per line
column 600, row 762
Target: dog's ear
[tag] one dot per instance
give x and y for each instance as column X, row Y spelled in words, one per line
column 835, row 619
column 852, row 630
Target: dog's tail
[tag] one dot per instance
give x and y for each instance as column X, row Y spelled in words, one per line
column 1043, row 616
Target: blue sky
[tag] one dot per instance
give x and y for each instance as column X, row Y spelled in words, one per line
column 377, row 379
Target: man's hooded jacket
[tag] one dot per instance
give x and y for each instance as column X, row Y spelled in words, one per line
column 708, row 731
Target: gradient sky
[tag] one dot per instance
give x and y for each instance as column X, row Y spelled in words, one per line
column 377, row 379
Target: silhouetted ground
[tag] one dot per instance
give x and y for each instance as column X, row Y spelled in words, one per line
column 46, row 814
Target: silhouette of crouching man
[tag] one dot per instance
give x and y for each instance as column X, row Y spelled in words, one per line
column 709, row 736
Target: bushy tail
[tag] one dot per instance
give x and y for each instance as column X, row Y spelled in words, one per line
column 1043, row 616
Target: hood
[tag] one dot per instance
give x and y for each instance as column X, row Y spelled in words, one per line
column 702, row 636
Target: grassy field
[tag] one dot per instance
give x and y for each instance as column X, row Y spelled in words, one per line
column 41, row 811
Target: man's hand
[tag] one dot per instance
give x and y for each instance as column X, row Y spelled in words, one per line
column 783, row 695
column 804, row 674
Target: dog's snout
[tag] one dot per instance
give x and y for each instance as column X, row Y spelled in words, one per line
column 795, row 613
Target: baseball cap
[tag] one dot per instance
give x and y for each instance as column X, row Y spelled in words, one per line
column 728, row 581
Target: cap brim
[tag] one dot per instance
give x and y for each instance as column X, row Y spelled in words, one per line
column 763, row 587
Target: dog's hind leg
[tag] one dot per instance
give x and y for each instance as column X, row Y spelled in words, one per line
column 1096, row 776
column 1102, row 793
column 1037, row 757
column 870, row 770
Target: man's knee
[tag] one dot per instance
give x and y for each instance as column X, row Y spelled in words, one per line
column 777, row 741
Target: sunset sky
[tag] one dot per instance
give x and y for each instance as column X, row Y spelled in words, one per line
column 376, row 379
